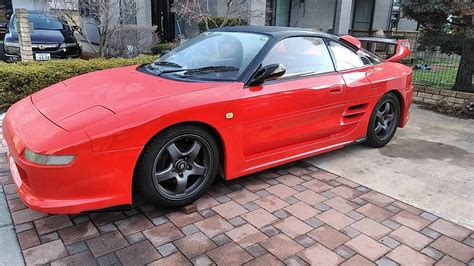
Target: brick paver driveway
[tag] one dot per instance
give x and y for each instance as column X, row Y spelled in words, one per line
column 291, row 214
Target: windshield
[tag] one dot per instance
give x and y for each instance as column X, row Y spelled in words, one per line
column 42, row 22
column 212, row 55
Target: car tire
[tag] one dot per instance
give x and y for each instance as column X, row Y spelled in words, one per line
column 177, row 166
column 383, row 121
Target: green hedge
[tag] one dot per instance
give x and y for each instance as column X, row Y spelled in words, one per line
column 215, row 21
column 163, row 47
column 18, row 80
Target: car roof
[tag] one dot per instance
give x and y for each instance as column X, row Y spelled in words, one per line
column 276, row 31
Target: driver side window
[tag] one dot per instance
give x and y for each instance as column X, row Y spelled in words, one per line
column 346, row 58
column 300, row 56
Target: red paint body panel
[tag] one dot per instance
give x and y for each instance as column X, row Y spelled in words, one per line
column 107, row 117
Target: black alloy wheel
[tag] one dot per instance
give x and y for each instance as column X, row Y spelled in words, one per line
column 384, row 121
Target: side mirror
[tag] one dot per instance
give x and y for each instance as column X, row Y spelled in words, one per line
column 269, row 72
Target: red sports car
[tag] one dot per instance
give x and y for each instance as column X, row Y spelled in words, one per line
column 231, row 101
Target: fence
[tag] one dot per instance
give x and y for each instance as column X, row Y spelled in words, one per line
column 431, row 67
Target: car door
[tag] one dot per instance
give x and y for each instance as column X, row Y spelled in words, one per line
column 353, row 66
column 302, row 106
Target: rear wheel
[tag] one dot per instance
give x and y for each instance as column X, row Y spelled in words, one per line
column 177, row 166
column 383, row 121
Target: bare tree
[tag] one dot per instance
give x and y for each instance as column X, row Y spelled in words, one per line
column 200, row 10
column 104, row 16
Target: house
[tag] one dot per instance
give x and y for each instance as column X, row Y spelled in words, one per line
column 335, row 16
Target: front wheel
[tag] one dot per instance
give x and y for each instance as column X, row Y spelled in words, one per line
column 177, row 166
column 384, row 121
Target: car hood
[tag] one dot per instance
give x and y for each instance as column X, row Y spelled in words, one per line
column 43, row 37
column 105, row 93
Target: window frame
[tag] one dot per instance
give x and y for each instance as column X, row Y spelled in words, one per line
column 356, row 51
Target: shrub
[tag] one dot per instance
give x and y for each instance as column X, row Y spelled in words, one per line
column 216, row 21
column 163, row 47
column 22, row 79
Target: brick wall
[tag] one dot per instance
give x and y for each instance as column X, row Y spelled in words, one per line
column 430, row 95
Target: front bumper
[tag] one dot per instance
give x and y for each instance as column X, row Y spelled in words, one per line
column 93, row 181
column 56, row 53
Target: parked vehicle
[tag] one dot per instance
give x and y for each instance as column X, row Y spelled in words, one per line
column 233, row 101
column 51, row 38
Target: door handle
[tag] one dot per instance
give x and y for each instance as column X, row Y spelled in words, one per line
column 336, row 89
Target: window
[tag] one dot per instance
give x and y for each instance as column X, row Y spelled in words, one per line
column 346, row 58
column 301, row 55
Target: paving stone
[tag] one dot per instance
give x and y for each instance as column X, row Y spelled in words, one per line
column 131, row 212
column 314, row 222
column 282, row 191
column 194, row 245
column 347, row 182
column 167, row 249
column 255, row 185
column 335, row 219
column 299, row 188
column 175, row 259
column 77, row 248
column 246, row 235
column 213, row 226
column 357, row 260
column 355, row 215
column 260, row 218
column 298, row 171
column 433, row 253
column 250, row 206
column 367, row 247
column 243, row 196
column 205, row 202
column 450, row 229
column 221, row 239
column 45, row 253
column 392, row 209
column 334, row 183
column 411, row 220
column 407, row 256
column 109, row 259
column 345, row 192
column 384, row 261
column 290, row 180
column 15, row 205
column 323, row 175
column 272, row 182
column 328, row 194
column 49, row 237
column 189, row 208
column 320, row 255
column 341, row 204
column 389, row 242
column 281, row 246
column 391, row 224
column 77, row 233
column 107, row 228
column 229, row 209
column 199, row 260
column 328, row 236
column 236, row 187
column 410, row 238
column 133, row 224
column 24, row 227
column 269, row 230
column 135, row 238
column 350, row 231
column 159, row 220
column 293, row 227
column 322, row 207
column 344, row 252
column 453, row 248
column 310, row 197
column 294, row 261
column 28, row 239
column 80, row 219
column 281, row 214
column 26, row 215
column 181, row 219
column 271, row 203
column 104, row 244
column 83, row 258
column 163, row 234
column 106, row 217
column 256, row 250
column 377, row 198
column 229, row 254
column 359, row 201
column 305, row 241
column 138, row 254
column 428, row 216
column 430, row 233
column 407, row 207
column 374, row 212
column 469, row 241
column 263, row 193
column 449, row 261
column 237, row 221
column 189, row 229
column 307, row 178
column 371, row 228
column 302, row 210
column 291, row 200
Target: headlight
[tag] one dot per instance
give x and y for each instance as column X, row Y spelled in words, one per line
column 68, row 45
column 12, row 44
column 48, row 159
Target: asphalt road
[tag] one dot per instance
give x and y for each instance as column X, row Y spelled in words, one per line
column 429, row 164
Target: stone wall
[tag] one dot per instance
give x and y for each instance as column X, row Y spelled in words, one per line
column 424, row 94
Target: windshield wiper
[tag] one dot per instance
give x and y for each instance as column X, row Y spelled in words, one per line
column 210, row 69
column 166, row 63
